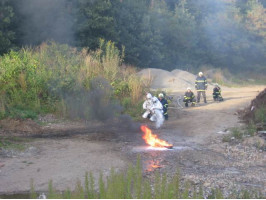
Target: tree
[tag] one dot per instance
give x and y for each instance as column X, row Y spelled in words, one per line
column 230, row 45
column 7, row 35
column 155, row 33
column 178, row 36
column 94, row 21
column 255, row 18
column 131, row 22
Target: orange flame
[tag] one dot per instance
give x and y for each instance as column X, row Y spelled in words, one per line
column 153, row 139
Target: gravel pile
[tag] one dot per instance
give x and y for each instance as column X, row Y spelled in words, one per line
column 175, row 80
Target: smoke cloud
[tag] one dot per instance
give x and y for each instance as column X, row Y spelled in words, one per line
column 102, row 105
column 46, row 20
column 93, row 104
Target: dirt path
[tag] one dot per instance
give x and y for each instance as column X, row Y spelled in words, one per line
column 201, row 154
column 199, row 151
column 63, row 161
column 205, row 120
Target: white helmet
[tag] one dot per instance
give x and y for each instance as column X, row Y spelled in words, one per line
column 149, row 96
column 200, row 73
column 188, row 88
column 161, row 95
column 216, row 84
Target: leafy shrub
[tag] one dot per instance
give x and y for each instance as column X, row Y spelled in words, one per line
column 22, row 113
column 57, row 78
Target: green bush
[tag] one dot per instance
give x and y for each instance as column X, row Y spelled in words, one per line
column 22, row 113
column 126, row 103
column 135, row 110
column 57, row 78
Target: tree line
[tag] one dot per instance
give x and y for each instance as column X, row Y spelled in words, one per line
column 167, row 34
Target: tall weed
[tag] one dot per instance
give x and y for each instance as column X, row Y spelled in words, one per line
column 131, row 184
column 57, row 78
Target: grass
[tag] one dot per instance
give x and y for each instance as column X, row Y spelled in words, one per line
column 238, row 133
column 134, row 110
column 227, row 138
column 131, row 184
column 260, row 114
column 259, row 145
column 250, row 129
column 22, row 113
column 14, row 143
column 54, row 78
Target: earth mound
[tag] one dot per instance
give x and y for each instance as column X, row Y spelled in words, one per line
column 256, row 111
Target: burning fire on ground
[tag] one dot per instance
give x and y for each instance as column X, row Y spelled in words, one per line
column 153, row 140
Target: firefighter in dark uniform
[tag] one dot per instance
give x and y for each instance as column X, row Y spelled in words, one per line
column 201, row 87
column 165, row 105
column 217, row 96
column 189, row 97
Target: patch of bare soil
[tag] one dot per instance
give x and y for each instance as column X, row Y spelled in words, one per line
column 63, row 161
column 63, row 151
column 19, row 126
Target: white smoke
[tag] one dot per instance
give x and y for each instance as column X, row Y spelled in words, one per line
column 46, row 20
column 158, row 118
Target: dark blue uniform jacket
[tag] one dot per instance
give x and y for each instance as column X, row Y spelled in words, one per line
column 201, row 83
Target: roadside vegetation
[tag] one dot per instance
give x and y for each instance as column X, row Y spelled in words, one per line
column 255, row 123
column 239, row 133
column 131, row 184
column 54, row 78
column 12, row 143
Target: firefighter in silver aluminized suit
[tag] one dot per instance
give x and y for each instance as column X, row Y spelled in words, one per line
column 147, row 105
column 154, row 110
